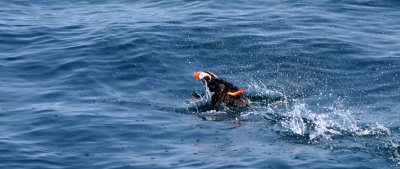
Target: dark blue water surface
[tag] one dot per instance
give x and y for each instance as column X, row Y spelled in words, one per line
column 106, row 84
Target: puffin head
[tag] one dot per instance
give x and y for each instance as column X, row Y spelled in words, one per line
column 206, row 76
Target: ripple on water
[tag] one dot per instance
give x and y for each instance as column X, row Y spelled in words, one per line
column 105, row 84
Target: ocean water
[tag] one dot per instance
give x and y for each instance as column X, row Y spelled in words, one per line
column 106, row 84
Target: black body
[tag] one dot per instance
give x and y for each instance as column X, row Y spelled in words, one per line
column 220, row 88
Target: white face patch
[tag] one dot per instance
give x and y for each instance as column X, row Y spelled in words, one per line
column 203, row 75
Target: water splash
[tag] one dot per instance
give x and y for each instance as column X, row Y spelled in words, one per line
column 300, row 120
column 258, row 88
column 293, row 122
column 294, row 117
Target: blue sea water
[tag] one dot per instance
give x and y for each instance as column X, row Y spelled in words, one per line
column 106, row 84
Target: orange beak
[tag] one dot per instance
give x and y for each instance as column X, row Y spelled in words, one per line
column 196, row 75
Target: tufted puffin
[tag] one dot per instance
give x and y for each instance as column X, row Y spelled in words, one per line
column 221, row 91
